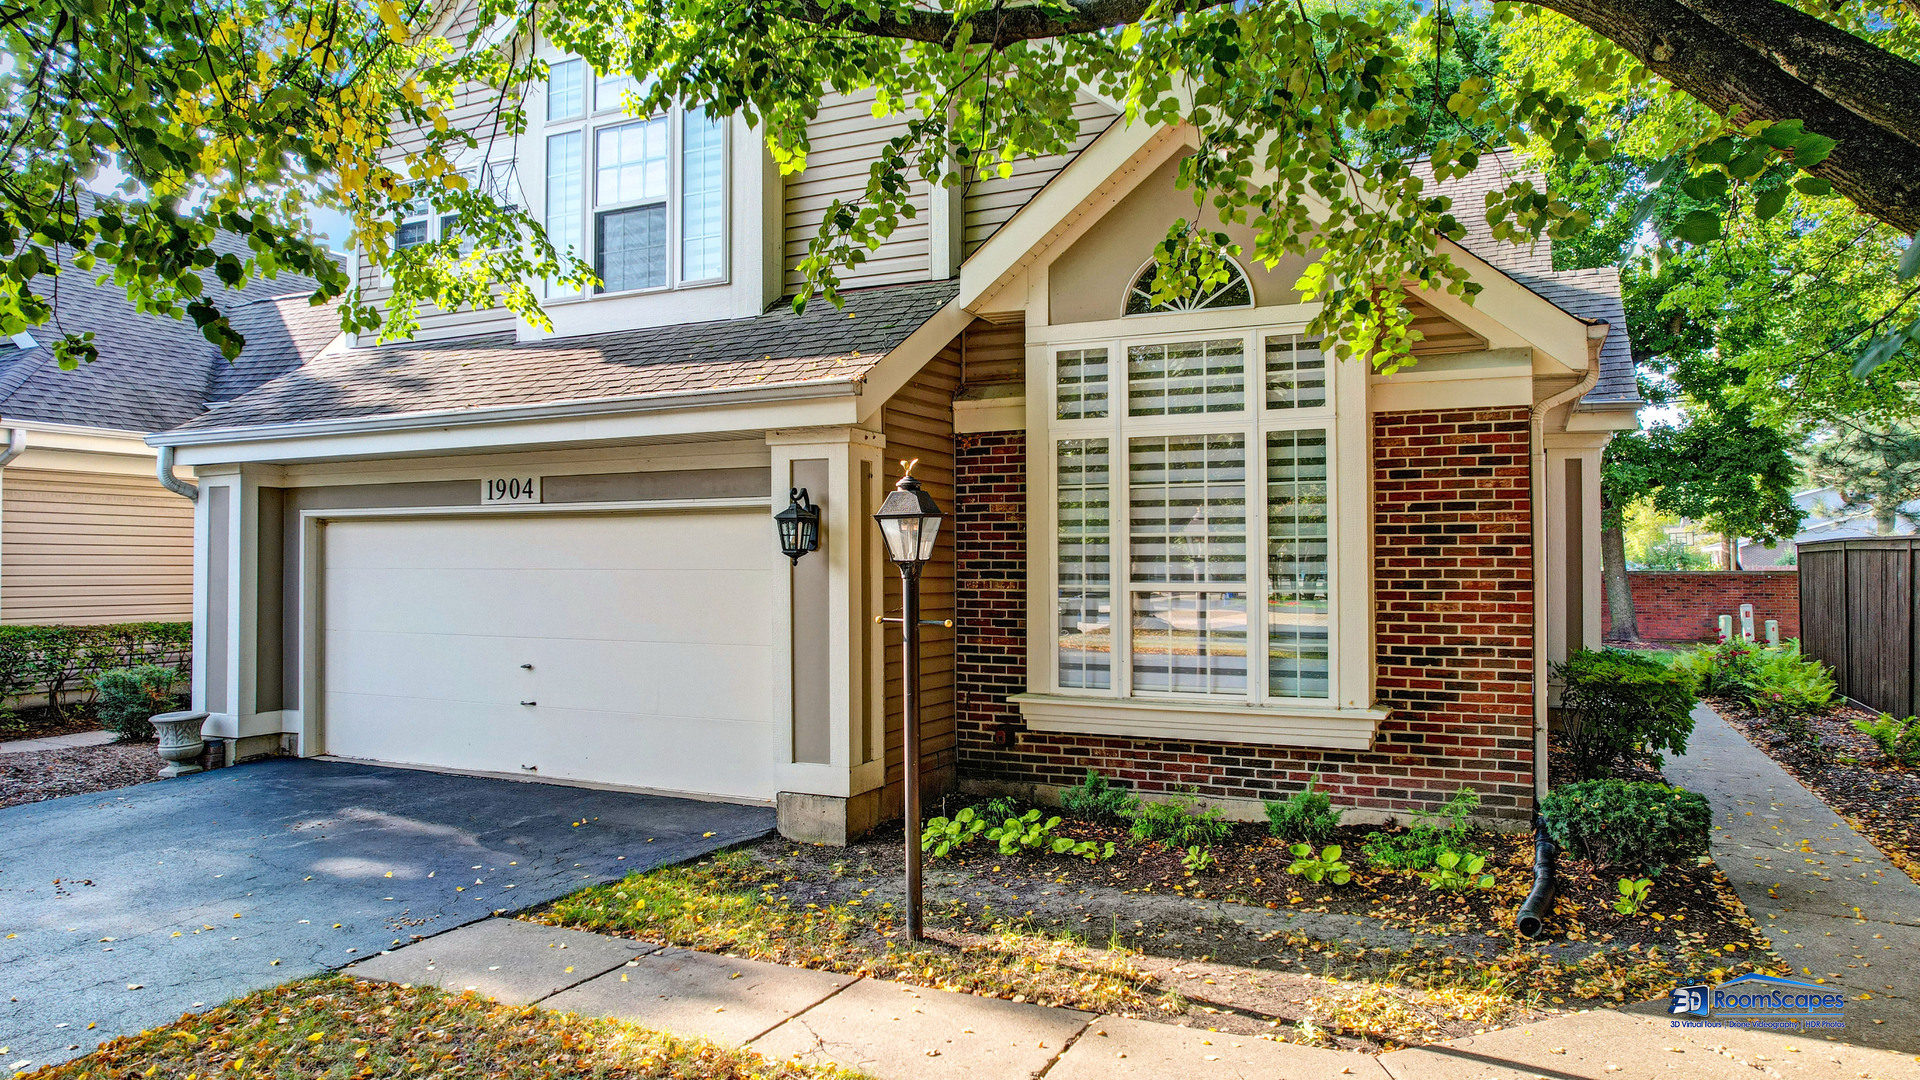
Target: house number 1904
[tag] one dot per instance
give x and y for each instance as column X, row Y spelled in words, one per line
column 510, row 489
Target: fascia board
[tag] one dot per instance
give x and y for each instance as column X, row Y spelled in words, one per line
column 559, row 429
column 44, row 435
column 905, row 360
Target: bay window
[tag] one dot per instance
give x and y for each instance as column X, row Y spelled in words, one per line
column 1214, row 581
column 640, row 198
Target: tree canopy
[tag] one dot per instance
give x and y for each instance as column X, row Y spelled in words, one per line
column 248, row 114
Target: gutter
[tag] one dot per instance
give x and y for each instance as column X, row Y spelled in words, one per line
column 16, row 445
column 501, row 414
column 163, row 466
column 1538, row 433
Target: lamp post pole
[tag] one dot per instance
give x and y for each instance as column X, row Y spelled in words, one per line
column 910, row 774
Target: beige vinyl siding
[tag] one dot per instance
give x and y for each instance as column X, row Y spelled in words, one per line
column 474, row 108
column 994, row 353
column 93, row 548
column 991, row 200
column 844, row 140
column 1441, row 334
column 918, row 423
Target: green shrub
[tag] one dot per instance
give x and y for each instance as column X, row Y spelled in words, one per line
column 1181, row 822
column 1306, row 816
column 1097, row 797
column 1629, row 825
column 1430, row 836
column 57, row 659
column 130, row 696
column 1898, row 739
column 1623, row 704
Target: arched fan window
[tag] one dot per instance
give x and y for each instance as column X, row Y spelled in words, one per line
column 1237, row 292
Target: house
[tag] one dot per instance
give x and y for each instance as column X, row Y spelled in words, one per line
column 508, row 551
column 87, row 534
column 1825, row 516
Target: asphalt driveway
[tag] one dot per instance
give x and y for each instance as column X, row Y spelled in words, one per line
column 127, row 908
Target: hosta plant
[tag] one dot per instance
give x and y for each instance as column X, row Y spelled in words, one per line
column 1458, row 871
column 1633, row 895
column 1324, row 865
column 1197, row 860
column 1025, row 833
column 942, row 835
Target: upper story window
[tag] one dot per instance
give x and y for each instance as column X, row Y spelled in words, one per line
column 1193, row 496
column 424, row 223
column 1237, row 292
column 641, row 198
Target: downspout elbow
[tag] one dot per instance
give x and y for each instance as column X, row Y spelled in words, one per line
column 163, row 466
column 16, row 445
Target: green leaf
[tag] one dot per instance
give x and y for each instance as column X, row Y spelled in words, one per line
column 1770, row 203
column 1910, row 258
column 1700, row 227
column 1813, row 185
column 1783, row 134
column 1717, row 152
column 1811, row 150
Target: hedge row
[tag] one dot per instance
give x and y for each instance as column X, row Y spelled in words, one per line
column 53, row 660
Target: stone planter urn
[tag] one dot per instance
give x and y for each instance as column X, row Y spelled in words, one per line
column 180, row 742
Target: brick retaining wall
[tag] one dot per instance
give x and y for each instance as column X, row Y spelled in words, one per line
column 1686, row 605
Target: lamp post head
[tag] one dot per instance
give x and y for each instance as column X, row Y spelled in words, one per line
column 910, row 521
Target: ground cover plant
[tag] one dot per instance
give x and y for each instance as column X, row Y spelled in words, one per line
column 1367, row 958
column 338, row 1026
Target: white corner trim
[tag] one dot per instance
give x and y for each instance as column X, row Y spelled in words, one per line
column 1332, row 728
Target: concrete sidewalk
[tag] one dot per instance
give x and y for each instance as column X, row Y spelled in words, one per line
column 57, row 742
column 898, row 1032
column 1834, row 907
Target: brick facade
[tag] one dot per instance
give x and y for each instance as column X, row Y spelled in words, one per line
column 1453, row 561
column 1686, row 605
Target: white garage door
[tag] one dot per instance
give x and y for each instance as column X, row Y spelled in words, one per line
column 628, row 649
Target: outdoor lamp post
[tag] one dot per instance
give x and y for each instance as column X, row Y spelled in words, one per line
column 799, row 525
column 910, row 521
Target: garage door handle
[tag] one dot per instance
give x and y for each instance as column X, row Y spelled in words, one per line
column 529, row 703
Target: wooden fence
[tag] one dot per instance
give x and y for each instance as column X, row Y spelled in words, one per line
column 1857, row 614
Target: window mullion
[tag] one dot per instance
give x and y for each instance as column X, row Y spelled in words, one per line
column 1120, row 531
column 1257, row 584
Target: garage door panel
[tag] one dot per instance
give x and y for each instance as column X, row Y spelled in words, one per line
column 646, row 675
column 587, row 542
column 730, row 606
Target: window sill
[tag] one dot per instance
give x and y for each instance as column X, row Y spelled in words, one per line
column 1330, row 727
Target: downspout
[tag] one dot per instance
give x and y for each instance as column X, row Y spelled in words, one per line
column 16, row 445
column 1530, row 919
column 164, row 467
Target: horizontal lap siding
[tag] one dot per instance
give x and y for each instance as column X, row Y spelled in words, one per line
column 1453, row 618
column 93, row 548
column 845, row 139
column 918, row 423
column 992, row 200
column 995, row 353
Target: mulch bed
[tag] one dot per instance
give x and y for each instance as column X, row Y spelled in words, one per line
column 1848, row 772
column 41, row 723
column 50, row 774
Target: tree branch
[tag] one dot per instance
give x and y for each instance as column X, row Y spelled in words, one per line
column 998, row 26
column 1854, row 73
column 1877, row 170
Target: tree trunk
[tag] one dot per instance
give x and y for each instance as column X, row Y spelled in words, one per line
column 1624, row 623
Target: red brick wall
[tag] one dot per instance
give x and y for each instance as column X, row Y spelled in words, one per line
column 1686, row 605
column 1454, row 561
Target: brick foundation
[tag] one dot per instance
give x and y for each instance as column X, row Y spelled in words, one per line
column 1686, row 605
column 1453, row 564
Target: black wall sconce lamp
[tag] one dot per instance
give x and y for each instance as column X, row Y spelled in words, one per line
column 799, row 525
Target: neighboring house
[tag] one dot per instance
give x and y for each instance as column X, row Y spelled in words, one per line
column 1825, row 516
column 377, row 586
column 87, row 534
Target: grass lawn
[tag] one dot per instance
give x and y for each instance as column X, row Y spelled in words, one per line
column 1242, row 947
column 335, row 1026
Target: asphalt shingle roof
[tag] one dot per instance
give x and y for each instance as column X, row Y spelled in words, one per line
column 155, row 372
column 820, row 345
column 1593, row 295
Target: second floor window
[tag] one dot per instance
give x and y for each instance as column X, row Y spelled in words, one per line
column 643, row 199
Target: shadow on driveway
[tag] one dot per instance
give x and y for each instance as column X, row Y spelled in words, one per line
column 190, row 890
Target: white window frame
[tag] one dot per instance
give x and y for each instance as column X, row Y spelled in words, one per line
column 1254, row 421
column 1240, row 276
column 592, row 120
